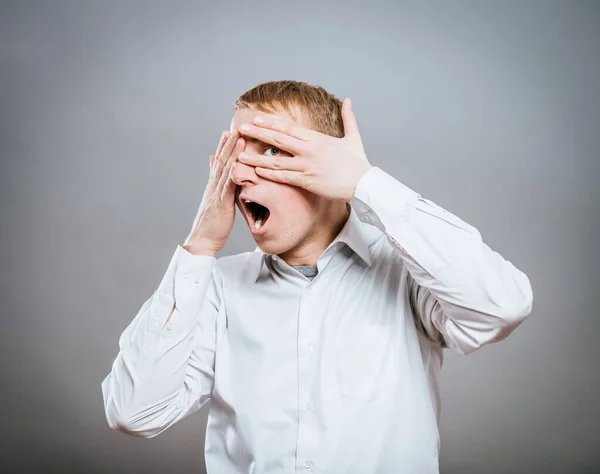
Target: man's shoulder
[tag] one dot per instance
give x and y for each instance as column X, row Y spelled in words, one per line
column 245, row 263
column 238, row 259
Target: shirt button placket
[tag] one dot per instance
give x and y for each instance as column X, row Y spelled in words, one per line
column 306, row 436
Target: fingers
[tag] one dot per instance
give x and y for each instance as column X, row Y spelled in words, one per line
column 226, row 185
column 222, row 141
column 213, row 158
column 228, row 192
column 293, row 178
column 285, row 142
column 224, row 154
column 288, row 128
column 273, row 162
column 349, row 119
column 227, row 148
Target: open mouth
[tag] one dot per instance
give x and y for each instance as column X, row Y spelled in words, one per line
column 257, row 212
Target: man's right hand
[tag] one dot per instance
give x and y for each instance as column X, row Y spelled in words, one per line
column 216, row 214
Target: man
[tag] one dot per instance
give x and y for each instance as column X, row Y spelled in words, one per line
column 320, row 351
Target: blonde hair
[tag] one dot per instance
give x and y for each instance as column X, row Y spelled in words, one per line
column 319, row 109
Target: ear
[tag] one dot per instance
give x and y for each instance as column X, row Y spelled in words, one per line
column 348, row 118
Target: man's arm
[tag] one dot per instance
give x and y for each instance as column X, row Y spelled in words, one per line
column 465, row 294
column 165, row 368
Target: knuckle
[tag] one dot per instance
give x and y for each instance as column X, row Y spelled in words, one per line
column 306, row 179
column 277, row 163
column 279, row 139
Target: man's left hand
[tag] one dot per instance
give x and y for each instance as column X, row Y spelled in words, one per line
column 328, row 166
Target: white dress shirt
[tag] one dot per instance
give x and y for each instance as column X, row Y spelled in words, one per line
column 335, row 375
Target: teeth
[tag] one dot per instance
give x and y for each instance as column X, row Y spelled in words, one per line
column 258, row 224
column 247, row 201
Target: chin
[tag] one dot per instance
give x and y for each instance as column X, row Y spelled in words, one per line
column 273, row 248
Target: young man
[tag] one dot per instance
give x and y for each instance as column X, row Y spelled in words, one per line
column 321, row 350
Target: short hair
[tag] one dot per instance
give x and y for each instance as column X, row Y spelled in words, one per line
column 319, row 109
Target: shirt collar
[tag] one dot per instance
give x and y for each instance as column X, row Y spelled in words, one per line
column 357, row 235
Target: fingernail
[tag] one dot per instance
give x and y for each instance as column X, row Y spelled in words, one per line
column 259, row 120
column 245, row 127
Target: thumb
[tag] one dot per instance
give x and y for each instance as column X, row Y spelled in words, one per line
column 348, row 118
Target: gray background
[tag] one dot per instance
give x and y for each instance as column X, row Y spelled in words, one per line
column 109, row 111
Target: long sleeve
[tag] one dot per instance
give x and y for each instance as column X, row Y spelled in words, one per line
column 165, row 368
column 464, row 294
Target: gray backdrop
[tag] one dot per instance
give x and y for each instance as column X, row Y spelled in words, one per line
column 110, row 109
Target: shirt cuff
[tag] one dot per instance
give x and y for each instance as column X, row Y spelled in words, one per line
column 192, row 275
column 378, row 192
column 186, row 275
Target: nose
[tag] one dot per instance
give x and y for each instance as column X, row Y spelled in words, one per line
column 243, row 174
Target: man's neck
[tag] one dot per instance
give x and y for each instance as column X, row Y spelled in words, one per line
column 310, row 251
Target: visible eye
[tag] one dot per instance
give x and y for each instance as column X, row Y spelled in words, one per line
column 276, row 151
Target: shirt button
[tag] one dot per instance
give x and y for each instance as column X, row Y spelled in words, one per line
column 309, row 406
column 307, row 464
column 396, row 242
column 366, row 218
column 168, row 327
column 309, row 349
column 196, row 280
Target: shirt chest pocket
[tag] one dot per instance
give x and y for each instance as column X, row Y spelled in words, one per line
column 367, row 361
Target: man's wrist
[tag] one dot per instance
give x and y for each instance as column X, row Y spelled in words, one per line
column 361, row 174
column 198, row 249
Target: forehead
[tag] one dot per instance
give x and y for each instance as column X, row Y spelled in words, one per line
column 247, row 115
